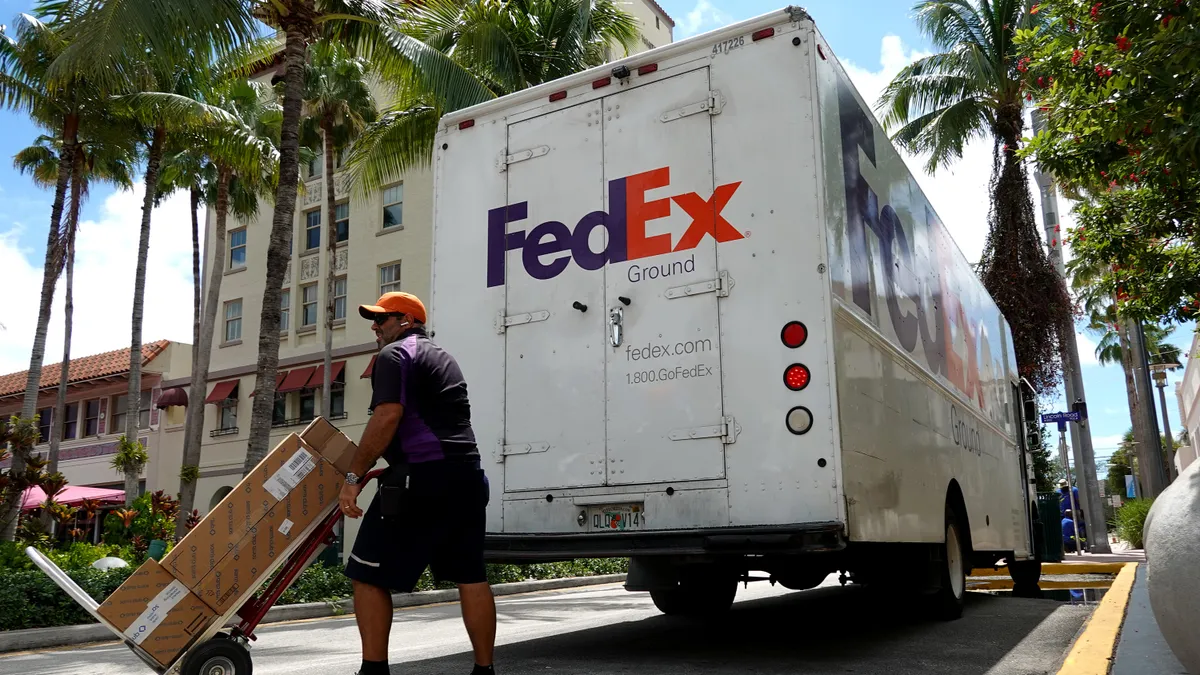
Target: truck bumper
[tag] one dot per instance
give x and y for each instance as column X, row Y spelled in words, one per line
column 758, row 540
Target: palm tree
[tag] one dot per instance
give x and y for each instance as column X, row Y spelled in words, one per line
column 339, row 106
column 229, row 166
column 973, row 89
column 97, row 159
column 457, row 54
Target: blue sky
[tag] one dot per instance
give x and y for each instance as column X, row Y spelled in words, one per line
column 873, row 38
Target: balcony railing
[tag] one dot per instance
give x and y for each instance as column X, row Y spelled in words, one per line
column 228, row 431
column 299, row 421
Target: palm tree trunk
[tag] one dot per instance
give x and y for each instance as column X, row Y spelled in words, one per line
column 60, row 405
column 331, row 206
column 1131, row 393
column 133, row 408
column 194, row 432
column 299, row 27
column 51, row 268
column 187, row 488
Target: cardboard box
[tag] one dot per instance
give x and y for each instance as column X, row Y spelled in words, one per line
column 214, row 537
column 334, row 446
column 253, row 555
column 157, row 612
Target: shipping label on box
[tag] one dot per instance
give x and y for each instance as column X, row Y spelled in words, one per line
column 214, row 537
column 334, row 446
column 157, row 612
column 245, row 568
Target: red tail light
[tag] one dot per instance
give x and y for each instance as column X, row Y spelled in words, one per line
column 764, row 33
column 558, row 96
column 647, row 69
column 796, row 377
column 602, row 82
column 794, row 334
column 466, row 125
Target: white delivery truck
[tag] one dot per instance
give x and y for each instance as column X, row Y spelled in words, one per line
column 710, row 322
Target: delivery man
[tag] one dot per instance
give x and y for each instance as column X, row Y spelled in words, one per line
column 430, row 507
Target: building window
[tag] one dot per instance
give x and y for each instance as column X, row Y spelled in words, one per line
column 279, row 414
column 393, row 206
column 339, row 298
column 389, row 278
column 316, row 165
column 341, row 221
column 233, row 320
column 337, row 397
column 228, row 414
column 237, row 248
column 308, row 405
column 45, row 416
column 91, row 418
column 657, row 25
column 312, row 229
column 70, row 421
column 285, row 309
column 120, row 405
column 308, row 299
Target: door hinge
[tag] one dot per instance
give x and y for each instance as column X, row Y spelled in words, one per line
column 508, row 450
column 503, row 322
column 727, row 431
column 712, row 105
column 505, row 159
column 721, row 286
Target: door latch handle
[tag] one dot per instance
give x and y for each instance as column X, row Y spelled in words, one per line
column 616, row 318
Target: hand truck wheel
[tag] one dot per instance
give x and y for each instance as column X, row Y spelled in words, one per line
column 218, row 656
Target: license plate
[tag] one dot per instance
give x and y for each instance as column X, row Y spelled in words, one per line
column 617, row 518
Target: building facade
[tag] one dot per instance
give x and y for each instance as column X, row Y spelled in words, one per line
column 1187, row 394
column 96, row 410
column 384, row 244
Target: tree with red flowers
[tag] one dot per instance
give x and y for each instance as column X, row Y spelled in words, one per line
column 1117, row 83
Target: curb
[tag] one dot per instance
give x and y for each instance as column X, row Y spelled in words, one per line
column 1092, row 653
column 1058, row 568
column 64, row 636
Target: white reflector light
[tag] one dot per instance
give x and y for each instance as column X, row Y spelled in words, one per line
column 799, row 420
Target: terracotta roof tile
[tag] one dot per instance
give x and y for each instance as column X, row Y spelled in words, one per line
column 84, row 368
column 662, row 11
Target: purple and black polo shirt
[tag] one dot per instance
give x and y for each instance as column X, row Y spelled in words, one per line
column 426, row 380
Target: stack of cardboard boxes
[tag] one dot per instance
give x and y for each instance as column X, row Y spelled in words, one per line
column 164, row 606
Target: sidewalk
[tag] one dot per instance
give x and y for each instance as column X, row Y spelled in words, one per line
column 1141, row 649
column 1125, row 633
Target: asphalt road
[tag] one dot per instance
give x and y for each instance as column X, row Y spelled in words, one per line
column 603, row 630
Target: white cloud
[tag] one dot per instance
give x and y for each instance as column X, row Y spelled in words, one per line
column 702, row 17
column 959, row 191
column 105, row 265
column 1087, row 350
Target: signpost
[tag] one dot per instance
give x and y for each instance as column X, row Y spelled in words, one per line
column 1062, row 418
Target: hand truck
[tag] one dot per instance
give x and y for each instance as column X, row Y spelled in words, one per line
column 217, row 652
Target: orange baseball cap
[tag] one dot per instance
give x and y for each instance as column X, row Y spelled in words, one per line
column 395, row 303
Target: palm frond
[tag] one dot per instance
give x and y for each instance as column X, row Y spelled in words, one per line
column 401, row 140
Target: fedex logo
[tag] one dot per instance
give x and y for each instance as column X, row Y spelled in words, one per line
column 625, row 222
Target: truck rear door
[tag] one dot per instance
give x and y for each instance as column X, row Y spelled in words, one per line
column 612, row 283
column 663, row 374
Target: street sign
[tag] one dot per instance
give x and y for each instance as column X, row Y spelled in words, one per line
column 1072, row 416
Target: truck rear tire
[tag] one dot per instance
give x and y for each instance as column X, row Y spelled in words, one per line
column 697, row 594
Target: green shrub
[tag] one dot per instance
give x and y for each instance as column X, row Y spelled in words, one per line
column 76, row 556
column 318, row 583
column 29, row 599
column 1131, row 518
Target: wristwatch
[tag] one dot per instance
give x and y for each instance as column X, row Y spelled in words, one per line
column 352, row 478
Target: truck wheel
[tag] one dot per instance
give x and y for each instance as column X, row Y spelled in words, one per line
column 947, row 603
column 1025, row 573
column 218, row 657
column 697, row 595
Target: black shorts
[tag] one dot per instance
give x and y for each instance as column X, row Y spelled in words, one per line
column 442, row 525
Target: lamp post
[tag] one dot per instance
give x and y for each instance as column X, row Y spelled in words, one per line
column 1159, row 372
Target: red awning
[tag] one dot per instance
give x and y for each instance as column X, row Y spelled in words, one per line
column 222, row 391
column 318, row 376
column 173, row 396
column 295, row 380
column 279, row 375
column 367, row 372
